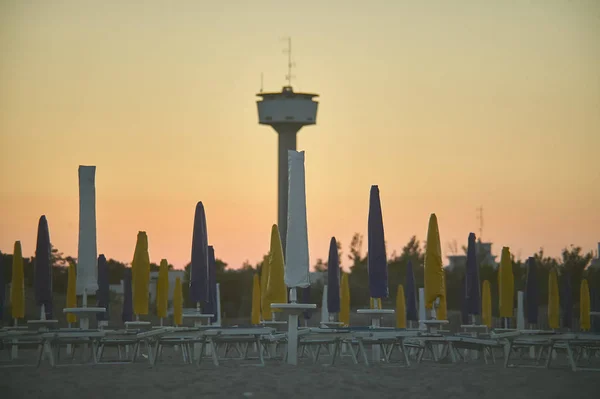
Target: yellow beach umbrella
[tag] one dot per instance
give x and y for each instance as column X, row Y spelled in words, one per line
column 486, row 305
column 553, row 300
column 372, row 303
column 17, row 286
column 72, row 292
column 162, row 289
column 265, row 306
column 434, row 274
column 178, row 303
column 442, row 311
column 584, row 306
column 344, row 315
column 276, row 289
column 506, row 284
column 400, row 308
column 255, row 316
column 140, row 273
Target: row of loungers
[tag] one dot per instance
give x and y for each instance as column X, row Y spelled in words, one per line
column 261, row 343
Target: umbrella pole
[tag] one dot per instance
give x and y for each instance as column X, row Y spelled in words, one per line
column 15, row 348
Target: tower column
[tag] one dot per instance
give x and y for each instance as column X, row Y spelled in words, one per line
column 287, row 141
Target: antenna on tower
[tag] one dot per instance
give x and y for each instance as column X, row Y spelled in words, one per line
column 291, row 64
column 261, row 82
column 480, row 218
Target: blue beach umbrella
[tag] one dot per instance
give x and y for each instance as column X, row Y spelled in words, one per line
column 127, row 314
column 333, row 278
column 211, row 305
column 377, row 259
column 472, row 283
column 531, row 292
column 411, row 294
column 102, row 295
column 199, row 268
column 43, row 268
column 566, row 299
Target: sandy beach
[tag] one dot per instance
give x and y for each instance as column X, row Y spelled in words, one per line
column 237, row 379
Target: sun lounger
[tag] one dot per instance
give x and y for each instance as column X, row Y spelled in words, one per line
column 578, row 347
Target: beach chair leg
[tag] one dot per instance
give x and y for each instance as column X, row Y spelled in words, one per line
column 40, row 354
column 199, row 358
column 388, row 353
column 405, row 353
column 101, row 352
column 363, row 352
column 260, row 352
column 350, row 348
column 336, row 350
column 507, row 352
column 570, row 357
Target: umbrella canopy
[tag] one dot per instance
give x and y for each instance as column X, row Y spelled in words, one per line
column 531, row 292
column 255, row 316
column 486, row 305
column 442, row 311
column 333, row 278
column 506, row 284
column 140, row 273
column 162, row 289
column 344, row 315
column 553, row 300
column 199, row 269
column 71, row 292
column 211, row 305
column 2, row 288
column 276, row 291
column 376, row 256
column 178, row 303
column 411, row 294
column 296, row 248
column 434, row 273
column 103, row 294
column 566, row 298
column 43, row 268
column 87, row 250
column 472, row 284
column 265, row 306
column 17, row 286
column 400, row 308
column 584, row 306
column 127, row 314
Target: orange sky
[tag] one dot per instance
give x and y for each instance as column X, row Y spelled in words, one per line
column 445, row 105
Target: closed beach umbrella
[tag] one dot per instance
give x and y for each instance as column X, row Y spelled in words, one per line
column 255, row 316
column 127, row 314
column 434, row 273
column 211, row 305
column 376, row 256
column 442, row 311
column 584, row 306
column 306, row 299
column 103, row 294
column 276, row 291
column 2, row 288
column 400, row 308
column 531, row 292
column 43, row 269
column 162, row 289
column 87, row 250
column 345, row 300
column 199, row 267
column 265, row 306
column 486, row 305
column 506, row 284
column 553, row 300
column 566, row 299
column 333, row 278
column 411, row 294
column 140, row 273
column 297, row 261
column 178, row 303
column 472, row 285
column 17, row 286
column 71, row 292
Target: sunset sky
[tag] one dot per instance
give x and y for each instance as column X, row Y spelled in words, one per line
column 446, row 105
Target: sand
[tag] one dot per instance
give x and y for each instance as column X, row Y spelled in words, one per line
column 239, row 379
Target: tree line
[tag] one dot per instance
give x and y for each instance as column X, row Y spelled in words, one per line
column 236, row 284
